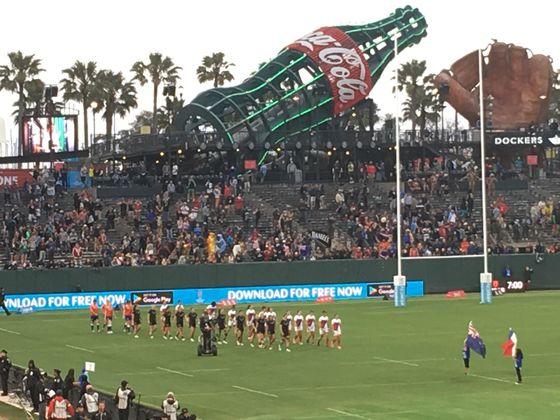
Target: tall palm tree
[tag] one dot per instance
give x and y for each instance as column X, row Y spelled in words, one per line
column 158, row 70
column 115, row 96
column 16, row 77
column 421, row 104
column 215, row 69
column 79, row 85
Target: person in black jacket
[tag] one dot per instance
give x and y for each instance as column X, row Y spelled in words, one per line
column 57, row 382
column 2, row 303
column 33, row 382
column 68, row 385
column 5, row 366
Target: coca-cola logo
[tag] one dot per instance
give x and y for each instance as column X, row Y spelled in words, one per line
column 338, row 56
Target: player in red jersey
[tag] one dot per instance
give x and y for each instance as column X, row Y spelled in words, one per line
column 94, row 315
column 107, row 310
column 324, row 329
column 298, row 328
column 310, row 322
column 336, row 324
column 127, row 315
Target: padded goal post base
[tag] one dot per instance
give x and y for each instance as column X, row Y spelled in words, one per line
column 485, row 288
column 399, row 283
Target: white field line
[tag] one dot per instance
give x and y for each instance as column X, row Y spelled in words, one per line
column 401, row 362
column 175, row 372
column 347, row 414
column 489, row 378
column 254, row 391
column 209, row 370
column 10, row 331
column 376, row 362
column 79, row 348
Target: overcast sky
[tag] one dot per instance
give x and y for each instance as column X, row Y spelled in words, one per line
column 117, row 33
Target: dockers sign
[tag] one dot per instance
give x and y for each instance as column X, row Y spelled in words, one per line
column 521, row 139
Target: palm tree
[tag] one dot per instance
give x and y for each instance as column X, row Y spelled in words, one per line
column 17, row 77
column 79, row 85
column 214, row 69
column 115, row 96
column 421, row 105
column 168, row 112
column 159, row 70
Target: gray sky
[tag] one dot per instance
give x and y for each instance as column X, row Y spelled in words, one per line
column 119, row 32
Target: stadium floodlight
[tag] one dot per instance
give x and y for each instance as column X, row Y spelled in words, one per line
column 162, row 154
column 180, row 151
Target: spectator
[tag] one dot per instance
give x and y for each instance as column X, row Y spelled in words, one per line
column 170, row 407
column 123, row 399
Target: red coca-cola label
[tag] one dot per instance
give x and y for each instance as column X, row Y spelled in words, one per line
column 342, row 62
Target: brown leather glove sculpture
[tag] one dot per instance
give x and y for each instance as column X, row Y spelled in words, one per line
column 520, row 86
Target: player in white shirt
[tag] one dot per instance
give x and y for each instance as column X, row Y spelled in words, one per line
column 251, row 324
column 231, row 314
column 290, row 318
column 298, row 328
column 324, row 329
column 336, row 324
column 310, row 322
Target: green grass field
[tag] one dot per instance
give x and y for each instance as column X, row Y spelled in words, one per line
column 395, row 363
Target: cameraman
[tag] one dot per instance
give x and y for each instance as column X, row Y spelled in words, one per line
column 206, row 329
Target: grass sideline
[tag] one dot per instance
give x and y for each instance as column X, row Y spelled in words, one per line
column 401, row 363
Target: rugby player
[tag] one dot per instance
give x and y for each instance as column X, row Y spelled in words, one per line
column 180, row 321
column 221, row 322
column 324, row 329
column 127, row 315
column 230, row 322
column 251, row 324
column 285, row 323
column 310, row 322
column 166, row 320
column 152, row 321
column 107, row 310
column 94, row 315
column 211, row 310
column 336, row 324
column 271, row 328
column 192, row 315
column 261, row 328
column 136, row 319
column 298, row 328
column 239, row 327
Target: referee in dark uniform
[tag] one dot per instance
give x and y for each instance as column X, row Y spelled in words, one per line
column 2, row 301
column 192, row 315
column 5, row 366
column 136, row 319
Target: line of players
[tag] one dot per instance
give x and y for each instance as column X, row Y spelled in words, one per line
column 260, row 326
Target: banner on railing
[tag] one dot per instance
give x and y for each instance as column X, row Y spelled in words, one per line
column 290, row 293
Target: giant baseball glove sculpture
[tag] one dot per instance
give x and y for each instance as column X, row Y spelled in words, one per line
column 520, row 86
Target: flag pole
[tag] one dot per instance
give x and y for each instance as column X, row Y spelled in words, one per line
column 399, row 280
column 485, row 277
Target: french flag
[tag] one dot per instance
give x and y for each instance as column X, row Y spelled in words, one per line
column 510, row 345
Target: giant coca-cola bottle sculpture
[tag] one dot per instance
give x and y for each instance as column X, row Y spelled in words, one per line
column 312, row 81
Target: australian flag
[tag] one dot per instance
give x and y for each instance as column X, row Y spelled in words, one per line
column 474, row 341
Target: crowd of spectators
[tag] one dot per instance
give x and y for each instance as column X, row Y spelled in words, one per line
column 216, row 219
